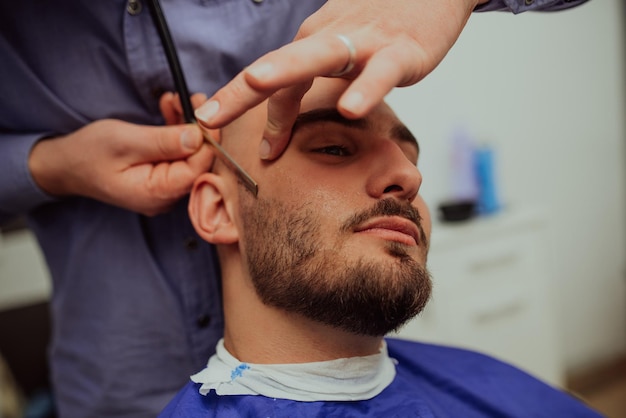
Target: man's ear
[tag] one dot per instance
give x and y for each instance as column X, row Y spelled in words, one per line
column 208, row 210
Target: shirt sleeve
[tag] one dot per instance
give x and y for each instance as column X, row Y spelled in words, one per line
column 18, row 190
column 519, row 6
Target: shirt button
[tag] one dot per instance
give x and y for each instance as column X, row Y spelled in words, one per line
column 191, row 243
column 257, row 1
column 133, row 7
column 203, row 321
column 529, row 2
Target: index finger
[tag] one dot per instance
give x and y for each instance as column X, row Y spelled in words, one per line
column 230, row 102
column 293, row 64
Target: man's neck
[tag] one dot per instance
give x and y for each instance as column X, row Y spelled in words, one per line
column 261, row 334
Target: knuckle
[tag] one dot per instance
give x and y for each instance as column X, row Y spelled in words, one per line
column 274, row 127
column 237, row 90
column 158, row 191
column 164, row 144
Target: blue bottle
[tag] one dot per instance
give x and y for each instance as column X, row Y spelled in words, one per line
column 484, row 166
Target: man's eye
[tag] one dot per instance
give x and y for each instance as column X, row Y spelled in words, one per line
column 336, row 150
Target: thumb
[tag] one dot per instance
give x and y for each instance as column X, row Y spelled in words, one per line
column 166, row 143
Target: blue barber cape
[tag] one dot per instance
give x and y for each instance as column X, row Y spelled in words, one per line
column 431, row 381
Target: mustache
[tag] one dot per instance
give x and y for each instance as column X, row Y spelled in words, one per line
column 388, row 207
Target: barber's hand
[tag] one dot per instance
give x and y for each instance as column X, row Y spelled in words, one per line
column 145, row 169
column 397, row 43
column 172, row 109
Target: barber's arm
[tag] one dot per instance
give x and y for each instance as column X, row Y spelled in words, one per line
column 390, row 43
column 18, row 192
column 141, row 168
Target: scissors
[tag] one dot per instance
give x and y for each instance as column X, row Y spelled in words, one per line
column 181, row 87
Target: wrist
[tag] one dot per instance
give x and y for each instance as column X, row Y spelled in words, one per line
column 45, row 167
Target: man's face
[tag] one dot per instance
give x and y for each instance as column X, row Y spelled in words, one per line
column 338, row 233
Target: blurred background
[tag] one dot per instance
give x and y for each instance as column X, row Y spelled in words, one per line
column 540, row 279
column 537, row 276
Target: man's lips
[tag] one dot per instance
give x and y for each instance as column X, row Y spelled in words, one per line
column 393, row 228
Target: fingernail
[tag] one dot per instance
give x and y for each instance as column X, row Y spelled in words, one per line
column 264, row 149
column 188, row 139
column 207, row 110
column 353, row 102
column 260, row 71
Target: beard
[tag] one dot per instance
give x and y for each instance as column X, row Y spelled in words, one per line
column 292, row 268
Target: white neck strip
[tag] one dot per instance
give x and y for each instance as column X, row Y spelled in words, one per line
column 346, row 379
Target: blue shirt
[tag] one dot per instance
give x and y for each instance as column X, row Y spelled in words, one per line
column 431, row 381
column 136, row 301
column 519, row 6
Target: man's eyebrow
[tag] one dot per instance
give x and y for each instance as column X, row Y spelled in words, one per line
column 399, row 131
column 327, row 115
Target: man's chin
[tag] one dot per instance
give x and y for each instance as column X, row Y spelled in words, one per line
column 405, row 253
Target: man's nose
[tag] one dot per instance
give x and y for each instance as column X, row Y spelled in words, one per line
column 393, row 174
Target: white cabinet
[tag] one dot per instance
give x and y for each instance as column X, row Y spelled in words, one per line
column 492, row 292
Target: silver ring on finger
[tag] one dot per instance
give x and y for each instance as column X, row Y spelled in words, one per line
column 351, row 60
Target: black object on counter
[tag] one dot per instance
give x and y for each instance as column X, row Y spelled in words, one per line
column 457, row 211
